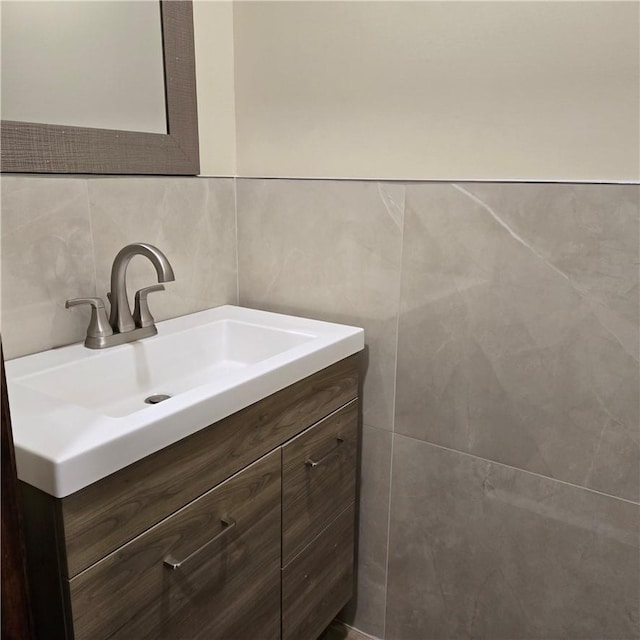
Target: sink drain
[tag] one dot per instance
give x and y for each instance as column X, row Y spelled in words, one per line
column 158, row 397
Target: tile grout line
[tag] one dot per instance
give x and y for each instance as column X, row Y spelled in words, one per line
column 386, row 563
column 393, row 414
column 93, row 242
column 508, row 466
column 235, row 209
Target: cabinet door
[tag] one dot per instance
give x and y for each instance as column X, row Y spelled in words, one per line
column 318, row 582
column 318, row 478
column 210, row 571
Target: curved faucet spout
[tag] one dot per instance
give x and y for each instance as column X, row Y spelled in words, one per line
column 120, row 317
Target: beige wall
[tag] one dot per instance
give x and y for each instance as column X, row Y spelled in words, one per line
column 213, row 34
column 426, row 90
column 437, row 90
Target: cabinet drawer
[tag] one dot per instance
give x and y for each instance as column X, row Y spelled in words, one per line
column 226, row 587
column 110, row 512
column 319, row 581
column 318, row 478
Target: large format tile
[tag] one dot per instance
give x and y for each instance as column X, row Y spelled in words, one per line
column 503, row 353
column 366, row 611
column 47, row 258
column 480, row 550
column 192, row 220
column 329, row 250
column 589, row 233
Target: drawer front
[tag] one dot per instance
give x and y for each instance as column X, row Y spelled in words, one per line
column 318, row 478
column 107, row 514
column 227, row 586
column 319, row 581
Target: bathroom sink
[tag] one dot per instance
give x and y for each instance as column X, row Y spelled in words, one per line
column 79, row 414
column 116, row 382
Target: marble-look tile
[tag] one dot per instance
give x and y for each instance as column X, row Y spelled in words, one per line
column 192, row 220
column 480, row 550
column 47, row 258
column 590, row 233
column 500, row 353
column 329, row 250
column 366, row 610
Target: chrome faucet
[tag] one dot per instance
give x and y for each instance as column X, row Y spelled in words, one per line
column 123, row 326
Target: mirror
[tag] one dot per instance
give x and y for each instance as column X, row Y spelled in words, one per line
column 99, row 87
column 117, row 82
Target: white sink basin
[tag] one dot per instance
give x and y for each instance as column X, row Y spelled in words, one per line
column 79, row 415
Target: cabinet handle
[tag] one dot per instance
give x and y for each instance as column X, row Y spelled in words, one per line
column 314, row 463
column 227, row 524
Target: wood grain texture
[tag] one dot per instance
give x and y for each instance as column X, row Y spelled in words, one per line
column 312, row 497
column 180, row 77
column 229, row 590
column 108, row 513
column 30, row 147
column 16, row 614
column 319, row 581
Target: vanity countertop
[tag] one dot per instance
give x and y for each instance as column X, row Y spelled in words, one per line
column 79, row 415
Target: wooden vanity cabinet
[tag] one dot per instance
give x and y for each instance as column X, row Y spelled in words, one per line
column 227, row 546
column 318, row 582
column 244, row 530
column 318, row 480
column 318, row 523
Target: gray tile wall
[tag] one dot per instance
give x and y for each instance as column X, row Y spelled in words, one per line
column 500, row 465
column 60, row 235
column 333, row 250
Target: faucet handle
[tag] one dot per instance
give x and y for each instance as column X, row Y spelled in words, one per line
column 99, row 324
column 141, row 314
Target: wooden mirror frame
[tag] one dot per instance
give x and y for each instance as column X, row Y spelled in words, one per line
column 29, row 147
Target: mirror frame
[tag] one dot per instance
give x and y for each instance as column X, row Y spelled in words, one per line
column 29, row 147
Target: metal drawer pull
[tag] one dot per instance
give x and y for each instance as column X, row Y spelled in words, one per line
column 227, row 525
column 314, row 463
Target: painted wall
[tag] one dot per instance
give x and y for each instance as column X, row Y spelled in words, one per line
column 438, row 90
column 499, row 480
column 424, row 90
column 213, row 40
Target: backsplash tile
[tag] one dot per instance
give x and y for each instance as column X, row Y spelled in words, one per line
column 47, row 258
column 501, row 353
column 512, row 312
column 480, row 550
column 60, row 235
column 191, row 220
column 329, row 250
column 588, row 233
column 517, row 342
